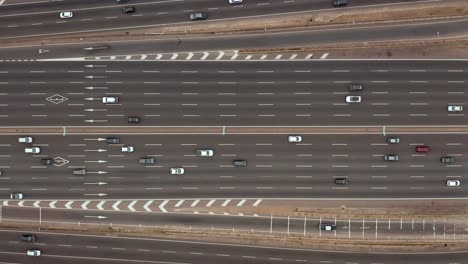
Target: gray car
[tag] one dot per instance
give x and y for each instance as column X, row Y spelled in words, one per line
column 392, row 157
column 198, row 16
column 79, row 172
column 447, row 159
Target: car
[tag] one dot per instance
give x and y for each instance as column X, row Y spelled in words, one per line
column 239, row 163
column 353, row 99
column 455, row 108
column 328, row 227
column 16, row 196
column 33, row 252
column 147, row 160
column 355, row 87
column 110, row 99
column 81, row 171
column 342, row 181
column 28, row 238
column 233, row 2
column 393, row 140
column 453, row 183
column 113, row 140
column 423, row 149
column 47, row 161
column 128, row 149
column 121, row 1
column 133, row 119
column 198, row 16
column 294, row 139
column 337, row 3
column 391, row 157
column 177, row 171
column 32, row 150
column 447, row 159
column 25, row 140
column 205, row 152
column 66, row 14
column 128, row 9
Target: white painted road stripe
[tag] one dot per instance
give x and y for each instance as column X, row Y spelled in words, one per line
column 68, row 205
column 194, row 203
column 115, row 205
column 130, row 206
column 85, row 204
column 241, row 202
column 52, row 204
column 225, row 203
column 324, row 56
column 179, row 203
column 205, row 55
column 257, row 202
column 210, row 203
column 99, row 206
column 146, row 206
column 162, row 206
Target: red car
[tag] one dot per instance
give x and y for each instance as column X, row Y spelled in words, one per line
column 422, row 149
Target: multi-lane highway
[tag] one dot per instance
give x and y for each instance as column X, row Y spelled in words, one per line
column 75, row 248
column 42, row 18
column 276, row 168
column 232, row 93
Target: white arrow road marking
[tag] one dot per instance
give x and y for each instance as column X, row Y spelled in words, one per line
column 159, row 56
column 257, row 202
column 96, row 183
column 221, row 54
column 130, row 206
column 98, row 161
column 179, row 203
column 210, row 203
column 241, row 202
column 190, row 55
column 98, row 172
column 95, row 121
column 115, row 205
column 99, row 206
column 205, row 55
column 95, row 194
column 5, row 203
column 21, row 203
column 52, row 204
column 94, row 66
column 98, row 150
column 95, row 216
column 225, row 203
column 161, row 206
column 36, row 203
column 68, row 205
column 95, row 88
column 194, row 203
column 93, row 139
column 146, row 206
column 85, row 204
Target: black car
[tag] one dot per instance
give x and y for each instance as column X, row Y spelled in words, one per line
column 47, row 161
column 342, row 181
column 113, row 140
column 239, row 163
column 121, row 1
column 133, row 119
column 147, row 160
column 198, row 16
column 79, row 172
column 447, row 159
column 28, row 238
column 128, row 9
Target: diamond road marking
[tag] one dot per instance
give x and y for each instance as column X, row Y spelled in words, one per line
column 56, row 99
column 59, row 161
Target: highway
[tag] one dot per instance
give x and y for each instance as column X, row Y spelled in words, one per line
column 42, row 18
column 275, row 168
column 75, row 248
column 232, row 93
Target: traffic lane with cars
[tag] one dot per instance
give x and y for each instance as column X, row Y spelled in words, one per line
column 57, row 247
column 264, row 93
column 275, row 167
column 43, row 19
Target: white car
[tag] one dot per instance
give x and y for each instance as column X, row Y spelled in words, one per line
column 353, row 99
column 453, row 183
column 205, row 152
column 294, row 139
column 33, row 252
column 177, row 171
column 233, row 2
column 128, row 149
column 67, row 14
column 110, row 99
column 25, row 140
column 32, row 150
column 455, row 108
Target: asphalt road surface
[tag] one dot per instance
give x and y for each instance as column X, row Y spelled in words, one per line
column 71, row 248
column 275, row 168
column 42, row 18
column 232, row 93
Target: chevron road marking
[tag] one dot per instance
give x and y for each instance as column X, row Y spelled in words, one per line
column 161, row 206
column 221, row 54
column 189, row 56
column 324, row 56
column 116, row 204
column 85, row 204
column 210, row 203
column 194, row 203
column 52, row 204
column 21, row 203
column 257, row 202
column 68, row 205
column 174, row 56
column 248, row 57
column 293, row 57
column 146, row 206
column 241, row 203
column 130, row 206
column 263, row 57
column 179, row 203
column 159, row 56
column 5, row 203
column 205, row 55
column 143, row 57
column 36, row 203
column 309, row 56
column 234, row 56
column 225, row 203
column 99, row 206
column 278, row 57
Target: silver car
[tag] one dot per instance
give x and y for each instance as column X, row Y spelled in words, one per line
column 205, row 152
column 25, row 140
column 294, row 139
column 128, row 149
column 455, row 108
column 110, row 99
column 453, row 183
column 32, row 150
column 391, row 158
column 177, row 171
column 353, row 99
